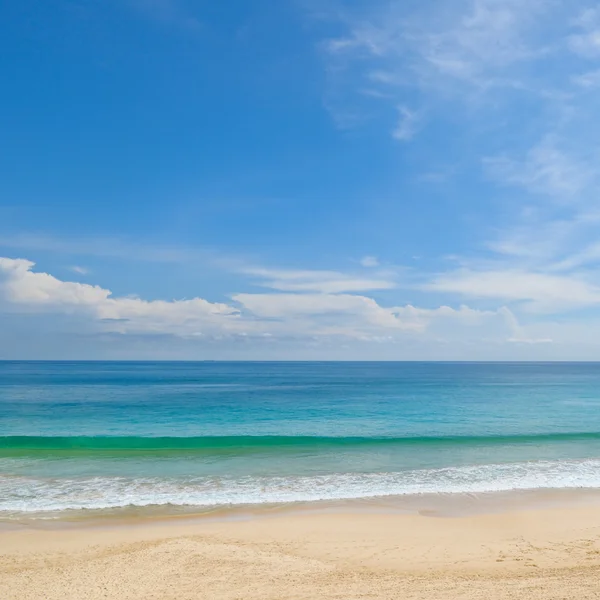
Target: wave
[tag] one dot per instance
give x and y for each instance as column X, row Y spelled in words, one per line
column 46, row 496
column 152, row 446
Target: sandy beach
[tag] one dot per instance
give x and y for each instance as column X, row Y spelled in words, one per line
column 528, row 554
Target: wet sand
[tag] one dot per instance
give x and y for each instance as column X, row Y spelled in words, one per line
column 552, row 553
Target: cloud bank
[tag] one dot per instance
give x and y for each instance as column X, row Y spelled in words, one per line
column 319, row 307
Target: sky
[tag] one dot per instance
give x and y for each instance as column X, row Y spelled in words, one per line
column 300, row 179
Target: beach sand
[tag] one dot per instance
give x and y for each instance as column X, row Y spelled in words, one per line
column 526, row 555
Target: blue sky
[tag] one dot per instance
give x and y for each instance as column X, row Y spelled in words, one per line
column 300, row 180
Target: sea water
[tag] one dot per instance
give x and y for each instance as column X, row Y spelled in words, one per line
column 81, row 437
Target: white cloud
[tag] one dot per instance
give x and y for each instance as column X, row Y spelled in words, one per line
column 359, row 316
column 274, row 316
column 519, row 335
column 538, row 292
column 361, row 310
column 21, row 286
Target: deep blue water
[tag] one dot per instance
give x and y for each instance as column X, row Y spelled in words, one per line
column 92, row 435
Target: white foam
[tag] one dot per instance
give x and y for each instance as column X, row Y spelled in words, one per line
column 20, row 495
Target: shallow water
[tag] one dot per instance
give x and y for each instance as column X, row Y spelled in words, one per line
column 86, row 437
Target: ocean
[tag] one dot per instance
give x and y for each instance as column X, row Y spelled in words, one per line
column 82, row 439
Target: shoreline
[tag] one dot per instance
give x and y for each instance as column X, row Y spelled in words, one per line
column 452, row 505
column 541, row 553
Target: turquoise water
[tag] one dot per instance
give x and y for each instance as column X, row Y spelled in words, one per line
column 79, row 437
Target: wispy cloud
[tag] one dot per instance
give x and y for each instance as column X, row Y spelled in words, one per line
column 588, row 79
column 369, row 261
column 586, row 41
column 446, row 49
column 107, row 247
column 545, row 170
column 519, row 335
column 79, row 270
column 476, row 41
column 326, row 282
column 495, row 58
column 534, row 291
column 407, row 124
